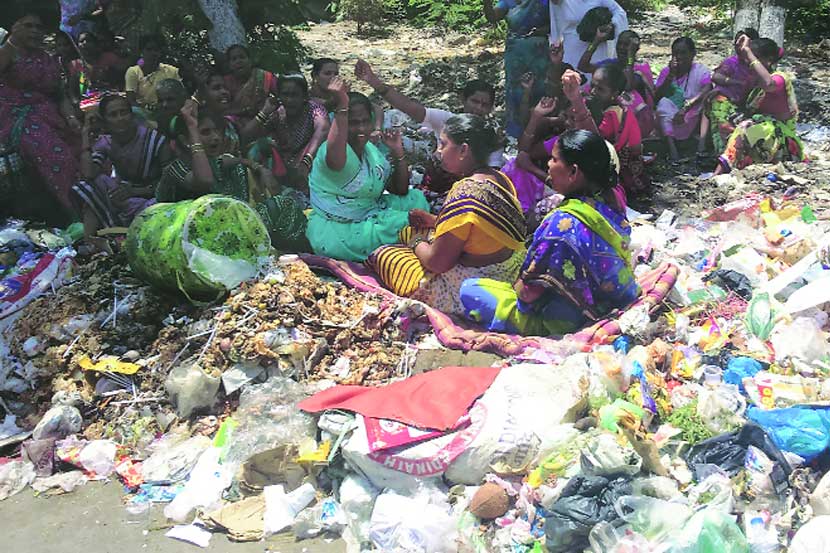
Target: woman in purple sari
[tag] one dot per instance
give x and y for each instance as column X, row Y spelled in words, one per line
column 36, row 119
column 135, row 153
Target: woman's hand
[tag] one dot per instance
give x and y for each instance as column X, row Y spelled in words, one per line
column 270, row 106
column 744, row 47
column 364, row 72
column 557, row 52
column 421, row 220
column 571, row 83
column 545, row 107
column 527, row 81
column 190, row 114
column 604, row 33
column 340, row 89
column 392, row 139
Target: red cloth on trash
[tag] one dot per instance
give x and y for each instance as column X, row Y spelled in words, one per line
column 434, row 400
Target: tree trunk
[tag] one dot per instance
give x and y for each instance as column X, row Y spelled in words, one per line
column 765, row 16
column 771, row 24
column 227, row 28
column 747, row 14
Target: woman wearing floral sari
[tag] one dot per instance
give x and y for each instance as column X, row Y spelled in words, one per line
column 249, row 86
column 36, row 118
column 733, row 80
column 525, row 51
column 479, row 232
column 769, row 135
column 578, row 267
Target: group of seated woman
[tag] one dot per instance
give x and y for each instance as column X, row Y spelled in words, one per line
column 537, row 245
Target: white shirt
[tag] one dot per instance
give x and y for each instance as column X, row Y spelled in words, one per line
column 566, row 15
column 435, row 120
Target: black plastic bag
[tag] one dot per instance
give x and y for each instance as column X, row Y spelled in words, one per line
column 731, row 280
column 584, row 502
column 728, row 451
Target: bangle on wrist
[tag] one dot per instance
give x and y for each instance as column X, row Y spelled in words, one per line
column 338, row 111
column 753, row 63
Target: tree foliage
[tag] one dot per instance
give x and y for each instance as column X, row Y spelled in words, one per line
column 274, row 46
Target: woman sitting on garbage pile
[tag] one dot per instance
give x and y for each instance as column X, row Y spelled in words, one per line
column 248, row 86
column 479, row 232
column 604, row 114
column 142, row 79
column 211, row 164
column 578, row 267
column 769, row 134
column 351, row 216
column 323, row 70
column 639, row 89
column 136, row 153
column 732, row 82
column 38, row 124
column 682, row 88
column 299, row 128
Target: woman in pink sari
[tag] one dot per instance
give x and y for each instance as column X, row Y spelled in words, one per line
column 681, row 89
column 36, row 119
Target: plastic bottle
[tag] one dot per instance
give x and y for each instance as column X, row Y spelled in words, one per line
column 761, row 538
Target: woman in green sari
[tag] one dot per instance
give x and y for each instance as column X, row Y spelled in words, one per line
column 214, row 166
column 351, row 215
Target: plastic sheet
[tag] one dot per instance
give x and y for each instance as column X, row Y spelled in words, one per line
column 268, row 417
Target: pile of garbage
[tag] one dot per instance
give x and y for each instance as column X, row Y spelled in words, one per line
column 291, row 406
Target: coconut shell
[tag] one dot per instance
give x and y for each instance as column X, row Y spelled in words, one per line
column 489, row 502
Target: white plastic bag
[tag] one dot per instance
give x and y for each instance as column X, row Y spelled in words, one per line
column 15, row 476
column 204, row 487
column 98, row 457
column 813, row 537
column 803, row 338
column 422, row 523
column 820, row 498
